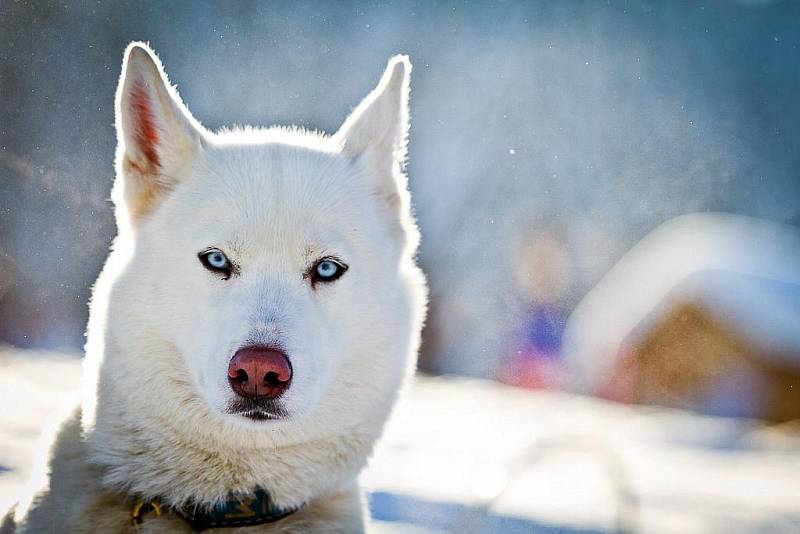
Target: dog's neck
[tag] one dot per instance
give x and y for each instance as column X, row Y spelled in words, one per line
column 148, row 454
column 137, row 461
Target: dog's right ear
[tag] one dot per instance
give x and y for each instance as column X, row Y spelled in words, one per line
column 156, row 134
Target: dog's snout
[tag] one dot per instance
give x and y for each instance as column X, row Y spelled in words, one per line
column 259, row 372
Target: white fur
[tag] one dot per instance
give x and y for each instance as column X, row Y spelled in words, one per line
column 162, row 329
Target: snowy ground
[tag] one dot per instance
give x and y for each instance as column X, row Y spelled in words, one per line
column 473, row 456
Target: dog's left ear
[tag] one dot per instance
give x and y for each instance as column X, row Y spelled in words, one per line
column 377, row 130
column 156, row 134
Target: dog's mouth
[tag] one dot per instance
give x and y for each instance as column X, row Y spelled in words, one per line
column 258, row 415
column 258, row 410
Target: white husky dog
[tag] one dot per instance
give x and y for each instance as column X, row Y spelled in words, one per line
column 252, row 327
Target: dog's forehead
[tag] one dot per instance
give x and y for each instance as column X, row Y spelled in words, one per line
column 257, row 193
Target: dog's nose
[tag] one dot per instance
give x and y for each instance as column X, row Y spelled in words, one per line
column 259, row 372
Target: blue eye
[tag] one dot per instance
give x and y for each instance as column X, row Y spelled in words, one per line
column 327, row 270
column 216, row 260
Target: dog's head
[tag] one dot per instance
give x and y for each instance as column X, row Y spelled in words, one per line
column 275, row 265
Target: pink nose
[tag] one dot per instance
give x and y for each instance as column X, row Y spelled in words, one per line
column 259, row 372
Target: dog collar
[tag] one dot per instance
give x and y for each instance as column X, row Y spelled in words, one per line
column 237, row 510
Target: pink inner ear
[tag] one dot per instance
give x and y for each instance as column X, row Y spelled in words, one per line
column 146, row 131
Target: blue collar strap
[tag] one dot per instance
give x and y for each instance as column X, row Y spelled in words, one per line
column 237, row 510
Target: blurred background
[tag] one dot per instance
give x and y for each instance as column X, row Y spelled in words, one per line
column 609, row 198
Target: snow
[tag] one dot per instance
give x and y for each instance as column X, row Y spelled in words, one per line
column 35, row 389
column 472, row 455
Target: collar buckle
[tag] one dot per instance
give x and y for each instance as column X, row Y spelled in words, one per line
column 141, row 508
